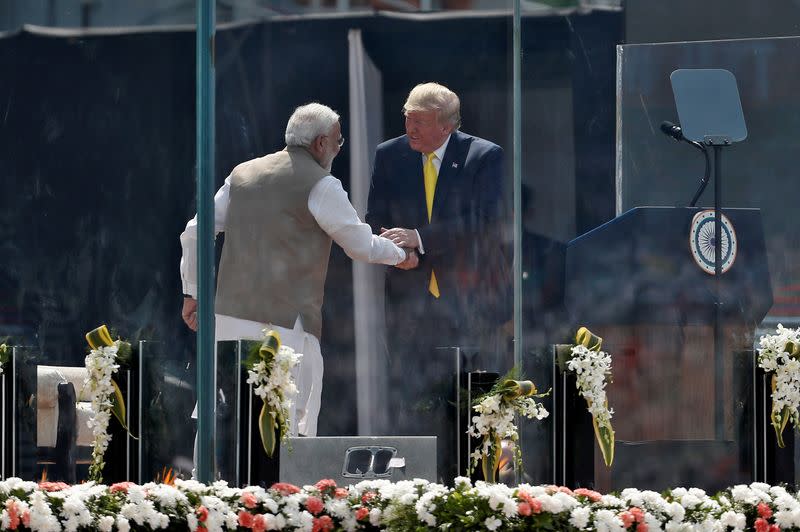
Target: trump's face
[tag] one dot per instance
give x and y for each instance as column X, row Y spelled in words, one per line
column 425, row 131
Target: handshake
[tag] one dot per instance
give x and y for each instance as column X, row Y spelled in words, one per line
column 409, row 241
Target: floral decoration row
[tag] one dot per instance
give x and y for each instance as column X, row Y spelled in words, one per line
column 382, row 505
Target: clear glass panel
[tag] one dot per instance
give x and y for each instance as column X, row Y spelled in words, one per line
column 639, row 281
column 567, row 115
column 394, row 356
column 97, row 179
column 166, row 388
column 46, row 407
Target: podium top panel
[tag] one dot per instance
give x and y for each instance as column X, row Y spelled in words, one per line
column 709, row 107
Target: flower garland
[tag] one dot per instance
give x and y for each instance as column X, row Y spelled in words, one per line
column 106, row 397
column 383, row 505
column 592, row 368
column 780, row 354
column 496, row 421
column 269, row 370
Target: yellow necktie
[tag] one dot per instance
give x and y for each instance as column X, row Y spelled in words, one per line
column 431, row 175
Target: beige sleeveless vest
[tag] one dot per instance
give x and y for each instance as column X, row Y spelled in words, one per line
column 275, row 256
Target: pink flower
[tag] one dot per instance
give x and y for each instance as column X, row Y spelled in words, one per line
column 200, row 528
column 322, row 524
column 202, row 514
column 259, row 523
column 638, row 514
column 340, row 493
column 249, row 500
column 53, row 486
column 245, row 519
column 774, row 528
column 26, row 518
column 536, row 505
column 642, row 527
column 524, row 509
column 761, row 525
column 362, row 513
column 13, row 514
column 589, row 494
column 325, row 484
column 764, row 510
column 368, row 496
column 284, row 488
column 120, row 487
column 314, row 505
column 627, row 519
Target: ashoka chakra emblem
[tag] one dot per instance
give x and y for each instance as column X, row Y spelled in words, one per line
column 701, row 241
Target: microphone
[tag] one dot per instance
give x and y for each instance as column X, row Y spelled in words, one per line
column 668, row 128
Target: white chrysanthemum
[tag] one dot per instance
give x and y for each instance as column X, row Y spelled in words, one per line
column 375, row 516
column 579, row 517
column 733, row 520
column 607, row 521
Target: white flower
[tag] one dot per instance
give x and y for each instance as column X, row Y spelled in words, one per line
column 496, row 419
column 590, row 368
column 375, row 517
column 100, row 366
column 273, row 382
column 733, row 520
column 492, row 523
column 579, row 517
column 773, row 357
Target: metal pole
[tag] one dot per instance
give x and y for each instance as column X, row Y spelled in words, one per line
column 206, row 363
column 719, row 410
column 517, row 134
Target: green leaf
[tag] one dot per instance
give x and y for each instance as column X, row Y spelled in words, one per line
column 118, row 408
column 266, row 426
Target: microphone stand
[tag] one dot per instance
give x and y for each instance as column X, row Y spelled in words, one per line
column 706, row 176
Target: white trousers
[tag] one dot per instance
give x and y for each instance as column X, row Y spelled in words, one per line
column 307, row 375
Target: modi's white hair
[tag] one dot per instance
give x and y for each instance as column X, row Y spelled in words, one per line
column 309, row 122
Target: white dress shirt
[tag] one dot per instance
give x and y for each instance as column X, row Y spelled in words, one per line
column 330, row 207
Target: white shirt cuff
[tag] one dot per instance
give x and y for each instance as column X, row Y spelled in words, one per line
column 419, row 239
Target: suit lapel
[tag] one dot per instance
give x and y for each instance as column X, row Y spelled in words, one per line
column 452, row 163
column 412, row 170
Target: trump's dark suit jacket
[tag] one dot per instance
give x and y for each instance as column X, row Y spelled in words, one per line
column 461, row 241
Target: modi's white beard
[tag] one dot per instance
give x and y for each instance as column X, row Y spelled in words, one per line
column 328, row 164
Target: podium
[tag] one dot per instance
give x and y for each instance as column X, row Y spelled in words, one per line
column 683, row 389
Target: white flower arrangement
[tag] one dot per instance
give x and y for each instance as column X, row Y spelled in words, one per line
column 105, row 395
column 269, row 371
column 496, row 421
column 101, row 365
column 592, row 369
column 779, row 354
column 383, row 505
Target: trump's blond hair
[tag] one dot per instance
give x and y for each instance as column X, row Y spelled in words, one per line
column 434, row 97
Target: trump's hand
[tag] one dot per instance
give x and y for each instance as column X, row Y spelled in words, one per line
column 405, row 238
column 411, row 262
column 189, row 312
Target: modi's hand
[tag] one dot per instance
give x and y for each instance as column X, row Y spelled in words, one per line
column 189, row 312
column 411, row 262
column 405, row 238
